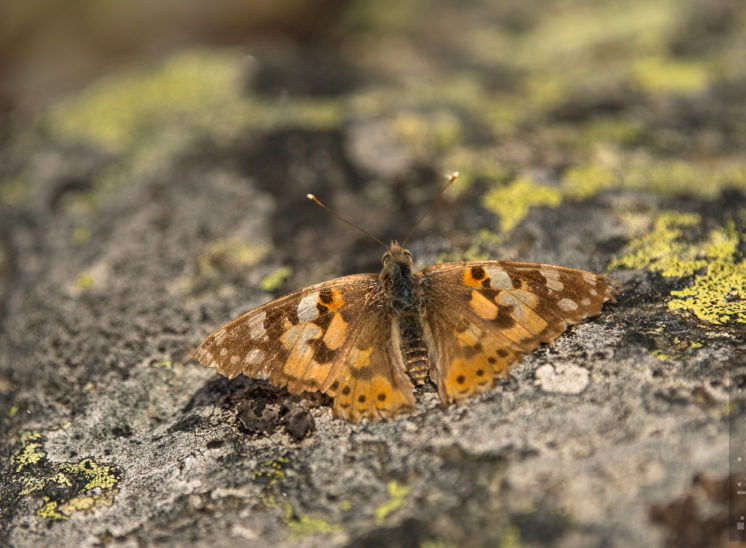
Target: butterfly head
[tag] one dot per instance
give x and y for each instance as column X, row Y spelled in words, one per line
column 396, row 275
column 397, row 256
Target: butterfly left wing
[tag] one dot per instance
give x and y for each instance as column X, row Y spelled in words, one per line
column 333, row 337
column 484, row 316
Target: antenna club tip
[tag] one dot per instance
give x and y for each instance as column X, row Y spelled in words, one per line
column 310, row 197
column 454, row 175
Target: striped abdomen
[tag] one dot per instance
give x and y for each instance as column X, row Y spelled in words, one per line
column 413, row 347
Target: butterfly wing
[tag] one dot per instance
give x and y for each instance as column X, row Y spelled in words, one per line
column 333, row 337
column 484, row 316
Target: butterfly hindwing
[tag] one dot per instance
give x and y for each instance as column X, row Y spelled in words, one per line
column 323, row 338
column 374, row 385
column 484, row 316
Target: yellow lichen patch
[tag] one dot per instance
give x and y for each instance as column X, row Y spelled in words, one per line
column 512, row 202
column 300, row 526
column 661, row 249
column 272, row 470
column 718, row 290
column 81, row 234
column 30, row 453
column 656, row 74
column 116, row 111
column 397, row 495
column 275, row 279
column 583, row 181
column 14, row 191
column 718, row 297
column 678, row 177
column 82, row 486
column 84, row 281
column 229, row 254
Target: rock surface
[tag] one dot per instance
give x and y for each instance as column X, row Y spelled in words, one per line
column 146, row 210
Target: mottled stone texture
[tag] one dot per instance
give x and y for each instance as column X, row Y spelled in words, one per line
column 146, row 209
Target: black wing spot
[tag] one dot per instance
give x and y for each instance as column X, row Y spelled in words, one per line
column 361, row 398
column 478, row 273
column 461, row 379
column 326, row 296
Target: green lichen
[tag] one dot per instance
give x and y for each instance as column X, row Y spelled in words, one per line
column 30, row 453
column 274, row 280
column 662, row 249
column 271, row 471
column 81, row 234
column 510, row 537
column 88, row 484
column 718, row 297
column 718, row 290
column 13, row 411
column 229, row 254
column 300, row 526
column 583, row 181
column 663, row 356
column 512, row 202
column 15, row 190
column 84, row 281
column 658, row 74
column 117, row 111
column 397, row 496
column 677, row 177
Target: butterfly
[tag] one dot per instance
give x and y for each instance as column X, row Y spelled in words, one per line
column 366, row 340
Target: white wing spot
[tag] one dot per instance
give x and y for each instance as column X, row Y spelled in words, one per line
column 553, row 278
column 568, row 305
column 499, row 279
column 254, row 356
column 586, row 302
column 256, row 326
column 589, row 278
column 235, row 358
column 220, row 336
column 593, row 292
column 307, row 310
column 223, row 352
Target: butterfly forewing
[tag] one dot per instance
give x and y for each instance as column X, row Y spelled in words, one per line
column 484, row 316
column 329, row 337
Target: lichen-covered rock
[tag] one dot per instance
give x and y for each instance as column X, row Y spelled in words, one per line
column 157, row 203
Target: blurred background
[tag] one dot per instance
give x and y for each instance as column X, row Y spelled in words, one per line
column 539, row 84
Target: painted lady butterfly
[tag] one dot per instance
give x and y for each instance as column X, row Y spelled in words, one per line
column 365, row 339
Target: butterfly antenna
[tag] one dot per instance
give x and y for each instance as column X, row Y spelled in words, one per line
column 318, row 202
column 452, row 177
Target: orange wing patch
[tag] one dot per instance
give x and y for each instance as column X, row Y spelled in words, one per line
column 484, row 317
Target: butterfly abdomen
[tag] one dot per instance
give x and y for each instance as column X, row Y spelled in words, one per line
column 412, row 345
column 404, row 295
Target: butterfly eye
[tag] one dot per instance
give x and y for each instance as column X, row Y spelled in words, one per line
column 386, row 257
column 408, row 255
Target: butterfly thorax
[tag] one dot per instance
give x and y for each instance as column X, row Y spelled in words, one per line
column 403, row 292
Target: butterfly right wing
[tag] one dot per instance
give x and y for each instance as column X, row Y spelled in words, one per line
column 333, row 337
column 484, row 316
